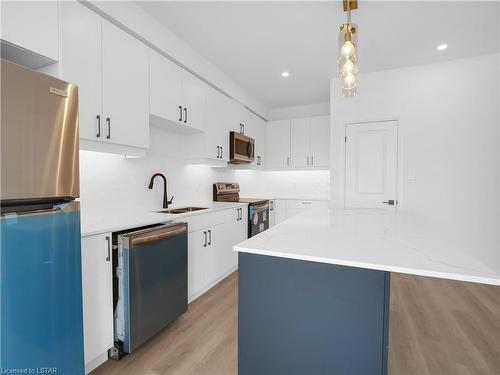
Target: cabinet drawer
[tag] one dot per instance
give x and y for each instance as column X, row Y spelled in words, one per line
column 301, row 204
column 198, row 222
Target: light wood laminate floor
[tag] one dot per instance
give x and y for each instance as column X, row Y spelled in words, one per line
column 437, row 327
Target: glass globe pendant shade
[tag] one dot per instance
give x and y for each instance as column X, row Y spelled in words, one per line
column 347, row 63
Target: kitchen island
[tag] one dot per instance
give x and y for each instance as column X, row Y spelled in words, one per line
column 314, row 290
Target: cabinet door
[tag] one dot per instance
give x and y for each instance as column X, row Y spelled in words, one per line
column 218, row 118
column 125, row 88
column 280, row 210
column 196, row 261
column 32, row 25
column 165, row 87
column 81, row 64
column 300, row 141
column 255, row 128
column 278, row 144
column 320, row 141
column 216, row 254
column 97, row 288
column 194, row 92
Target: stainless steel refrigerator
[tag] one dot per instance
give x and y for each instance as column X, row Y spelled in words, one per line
column 41, row 323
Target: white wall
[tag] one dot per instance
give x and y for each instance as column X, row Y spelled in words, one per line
column 449, row 135
column 109, row 181
column 309, row 110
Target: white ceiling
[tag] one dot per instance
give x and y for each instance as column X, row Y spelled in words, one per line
column 253, row 42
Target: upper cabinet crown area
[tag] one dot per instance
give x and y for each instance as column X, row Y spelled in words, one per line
column 302, row 143
column 126, row 85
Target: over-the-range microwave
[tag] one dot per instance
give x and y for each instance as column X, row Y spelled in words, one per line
column 241, row 148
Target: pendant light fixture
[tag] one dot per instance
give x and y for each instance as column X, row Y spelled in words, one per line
column 348, row 48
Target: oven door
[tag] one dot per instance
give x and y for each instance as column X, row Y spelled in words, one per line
column 258, row 219
column 241, row 148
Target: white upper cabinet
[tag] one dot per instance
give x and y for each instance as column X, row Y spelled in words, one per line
column 255, row 128
column 125, row 87
column 278, row 144
column 218, row 122
column 177, row 96
column 193, row 97
column 110, row 68
column 300, row 143
column 81, row 63
column 165, row 88
column 33, row 26
column 320, row 141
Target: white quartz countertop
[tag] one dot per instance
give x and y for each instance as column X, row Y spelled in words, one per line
column 122, row 219
column 375, row 240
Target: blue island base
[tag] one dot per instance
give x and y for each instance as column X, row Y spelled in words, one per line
column 301, row 317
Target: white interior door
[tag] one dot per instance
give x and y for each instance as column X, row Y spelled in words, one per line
column 371, row 165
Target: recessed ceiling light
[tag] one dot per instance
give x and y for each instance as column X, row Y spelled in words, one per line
column 442, row 47
column 285, row 74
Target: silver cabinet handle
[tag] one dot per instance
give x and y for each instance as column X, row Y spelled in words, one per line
column 205, row 234
column 108, row 121
column 288, row 161
column 209, row 237
column 98, row 133
column 308, row 160
column 180, row 113
column 221, row 152
column 312, row 160
column 218, row 151
column 306, row 202
column 185, row 115
column 108, row 240
column 238, row 213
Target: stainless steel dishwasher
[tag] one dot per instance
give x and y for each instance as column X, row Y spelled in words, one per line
column 150, row 282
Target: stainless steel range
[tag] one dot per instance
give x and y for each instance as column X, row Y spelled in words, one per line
column 258, row 209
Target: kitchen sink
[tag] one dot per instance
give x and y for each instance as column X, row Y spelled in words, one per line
column 182, row 210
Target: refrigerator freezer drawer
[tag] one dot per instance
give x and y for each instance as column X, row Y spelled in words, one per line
column 39, row 136
column 41, row 320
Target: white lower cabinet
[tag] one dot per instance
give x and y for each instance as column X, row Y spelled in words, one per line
column 210, row 247
column 97, row 288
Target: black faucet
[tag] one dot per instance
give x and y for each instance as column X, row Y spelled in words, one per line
column 166, row 202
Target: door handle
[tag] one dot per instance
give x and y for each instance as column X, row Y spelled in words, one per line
column 108, row 240
column 108, row 120
column 209, row 237
column 390, row 202
column 185, row 115
column 238, row 213
column 98, row 118
column 180, row 113
column 205, row 234
column 221, row 152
